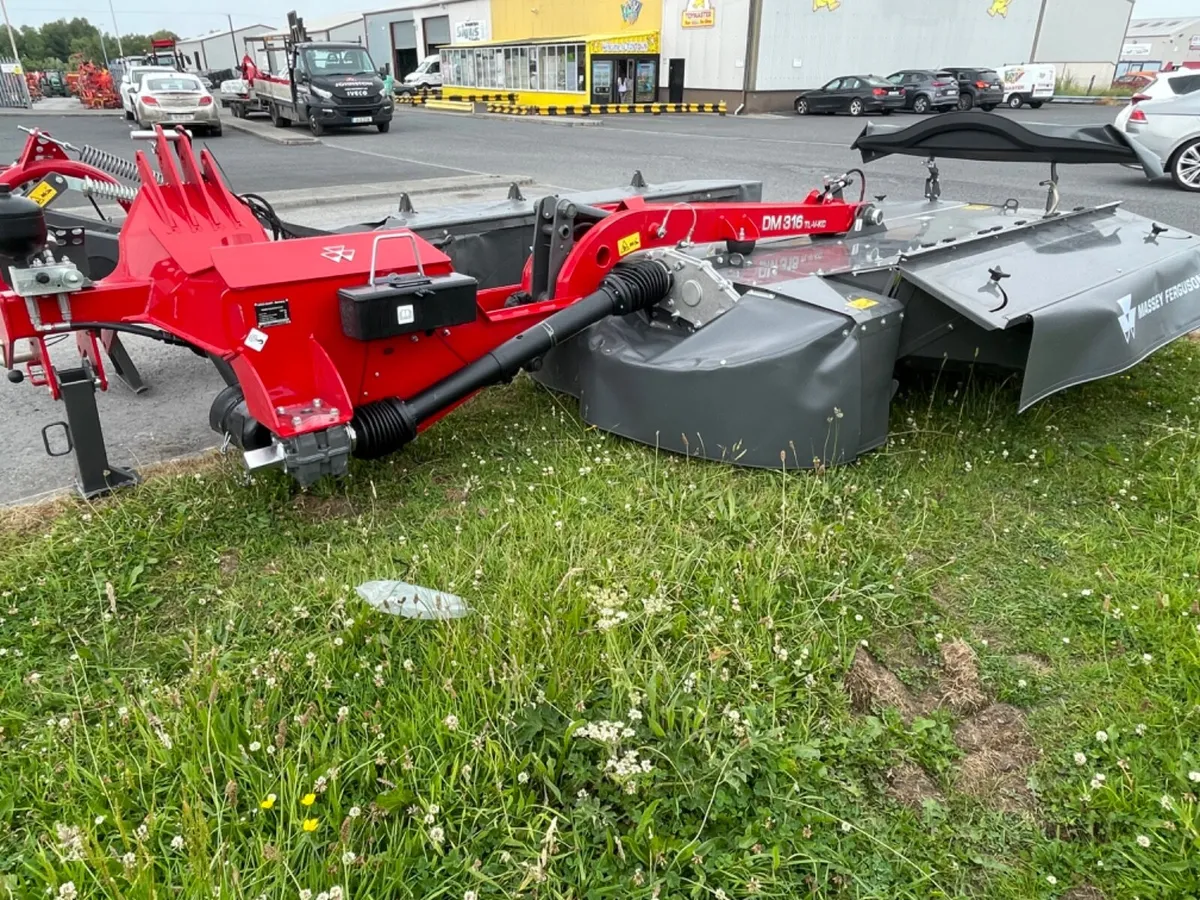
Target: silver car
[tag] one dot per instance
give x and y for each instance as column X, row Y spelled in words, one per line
column 1171, row 129
column 176, row 98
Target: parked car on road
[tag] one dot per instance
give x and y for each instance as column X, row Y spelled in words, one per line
column 1164, row 86
column 176, row 98
column 977, row 86
column 129, row 84
column 927, row 90
column 1031, row 83
column 1171, row 129
column 855, row 94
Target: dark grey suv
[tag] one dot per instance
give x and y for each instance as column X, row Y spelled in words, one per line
column 977, row 86
column 927, row 90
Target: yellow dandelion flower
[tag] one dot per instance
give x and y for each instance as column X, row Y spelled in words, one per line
column 269, row 803
column 310, row 825
column 308, row 799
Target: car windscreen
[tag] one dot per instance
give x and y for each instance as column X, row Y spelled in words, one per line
column 351, row 61
column 159, row 84
column 876, row 81
column 943, row 76
column 987, row 75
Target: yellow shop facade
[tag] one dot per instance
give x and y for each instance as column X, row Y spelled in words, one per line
column 562, row 53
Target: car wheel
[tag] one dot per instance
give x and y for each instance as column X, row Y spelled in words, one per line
column 965, row 101
column 314, row 125
column 1185, row 167
column 802, row 107
column 277, row 118
column 856, row 107
column 216, row 131
column 383, row 127
column 128, row 115
column 988, row 107
column 1035, row 104
column 1014, row 102
column 921, row 105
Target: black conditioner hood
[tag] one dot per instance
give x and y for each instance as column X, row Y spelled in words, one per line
column 986, row 137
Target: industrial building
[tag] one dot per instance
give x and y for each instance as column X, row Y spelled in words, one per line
column 404, row 35
column 562, row 52
column 755, row 55
column 760, row 52
column 219, row 49
column 1152, row 45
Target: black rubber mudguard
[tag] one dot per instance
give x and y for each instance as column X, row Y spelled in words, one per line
column 992, row 138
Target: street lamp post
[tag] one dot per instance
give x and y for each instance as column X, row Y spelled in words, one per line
column 120, row 49
column 12, row 42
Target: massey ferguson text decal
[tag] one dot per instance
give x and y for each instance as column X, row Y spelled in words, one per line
column 1132, row 313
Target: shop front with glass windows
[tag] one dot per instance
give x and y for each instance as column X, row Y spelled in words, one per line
column 567, row 71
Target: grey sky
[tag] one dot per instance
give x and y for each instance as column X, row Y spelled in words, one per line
column 142, row 16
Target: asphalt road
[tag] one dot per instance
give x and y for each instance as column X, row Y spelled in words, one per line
column 788, row 154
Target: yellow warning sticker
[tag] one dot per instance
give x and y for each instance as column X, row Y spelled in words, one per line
column 627, row 245
column 43, row 194
column 976, row 206
column 862, row 303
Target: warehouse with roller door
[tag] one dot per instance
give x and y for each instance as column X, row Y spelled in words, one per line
column 218, row 49
column 756, row 54
column 410, row 31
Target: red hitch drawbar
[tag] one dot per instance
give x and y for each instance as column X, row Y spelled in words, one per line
column 336, row 345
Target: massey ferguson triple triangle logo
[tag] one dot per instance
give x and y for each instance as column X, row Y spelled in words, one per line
column 1128, row 317
column 338, row 254
column 1132, row 313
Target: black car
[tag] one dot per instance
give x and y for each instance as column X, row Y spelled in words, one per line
column 977, row 86
column 927, row 90
column 855, row 94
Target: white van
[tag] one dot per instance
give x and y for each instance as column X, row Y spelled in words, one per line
column 1031, row 83
column 427, row 75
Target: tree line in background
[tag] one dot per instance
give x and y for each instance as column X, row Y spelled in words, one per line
column 53, row 44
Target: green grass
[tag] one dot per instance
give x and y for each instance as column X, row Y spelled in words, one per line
column 1071, row 88
column 175, row 656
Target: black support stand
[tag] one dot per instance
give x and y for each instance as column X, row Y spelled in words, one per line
column 93, row 473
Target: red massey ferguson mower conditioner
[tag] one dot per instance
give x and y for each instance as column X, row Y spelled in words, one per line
column 690, row 316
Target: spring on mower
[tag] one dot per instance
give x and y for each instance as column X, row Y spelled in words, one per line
column 111, row 163
column 108, row 191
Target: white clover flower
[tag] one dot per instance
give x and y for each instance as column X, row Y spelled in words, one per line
column 349, row 858
column 1102, row 737
column 1080, row 759
column 355, row 812
column 255, row 746
column 66, row 891
column 1143, row 841
column 436, row 834
column 1051, row 880
column 177, row 842
column 451, row 722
